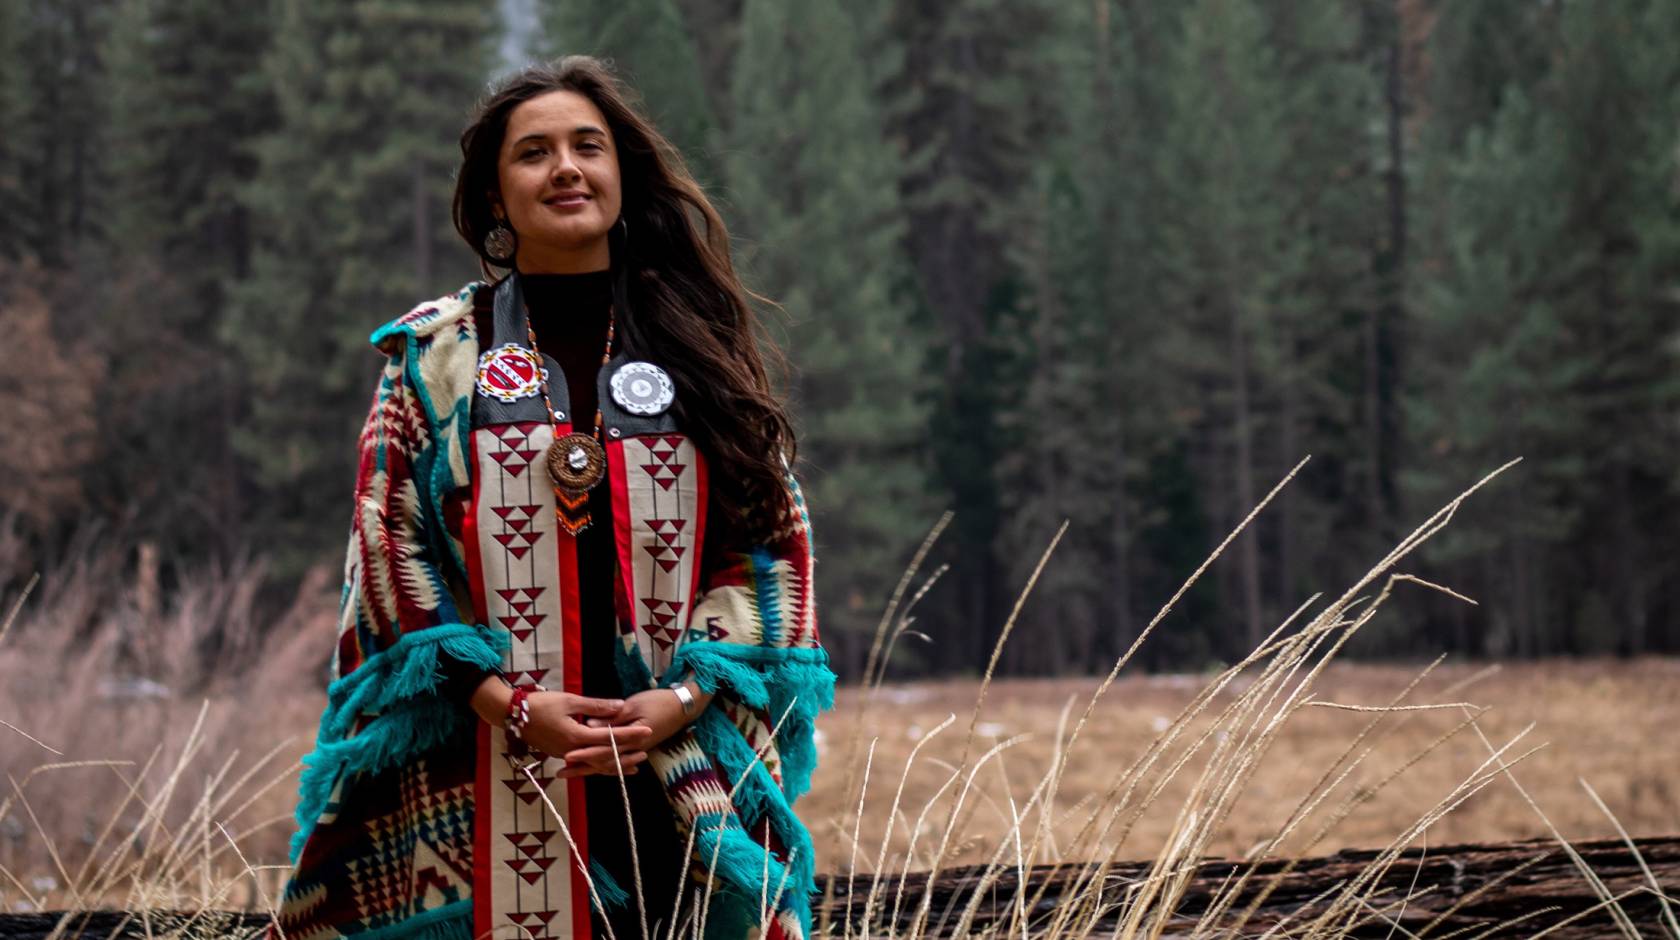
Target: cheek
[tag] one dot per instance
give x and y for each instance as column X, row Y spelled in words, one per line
column 609, row 188
column 520, row 188
column 523, row 181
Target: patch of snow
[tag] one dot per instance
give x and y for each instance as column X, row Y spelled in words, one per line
column 904, row 695
column 132, row 687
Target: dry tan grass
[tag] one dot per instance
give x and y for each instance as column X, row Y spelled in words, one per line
column 183, row 800
column 1605, row 721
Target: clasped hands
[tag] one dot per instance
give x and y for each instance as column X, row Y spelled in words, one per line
column 585, row 731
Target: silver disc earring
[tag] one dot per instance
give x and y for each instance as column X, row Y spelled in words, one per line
column 499, row 244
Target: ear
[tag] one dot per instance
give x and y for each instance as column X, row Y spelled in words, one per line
column 497, row 210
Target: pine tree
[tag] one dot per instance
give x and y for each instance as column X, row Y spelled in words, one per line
column 1550, row 328
column 1223, row 253
column 968, row 90
column 649, row 46
column 187, row 105
column 1068, row 424
column 350, row 207
column 1267, row 169
column 815, row 203
column 1337, row 315
column 14, row 92
column 57, row 134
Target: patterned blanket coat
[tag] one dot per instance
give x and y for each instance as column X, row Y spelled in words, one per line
column 392, row 809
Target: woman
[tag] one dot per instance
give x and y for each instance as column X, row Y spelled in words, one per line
column 577, row 554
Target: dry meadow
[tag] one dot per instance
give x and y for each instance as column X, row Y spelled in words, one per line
column 150, row 748
column 1608, row 723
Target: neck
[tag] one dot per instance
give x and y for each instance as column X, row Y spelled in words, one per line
column 546, row 259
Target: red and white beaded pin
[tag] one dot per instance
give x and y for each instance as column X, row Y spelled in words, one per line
column 509, row 372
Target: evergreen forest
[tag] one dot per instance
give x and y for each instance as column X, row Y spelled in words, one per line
column 1119, row 263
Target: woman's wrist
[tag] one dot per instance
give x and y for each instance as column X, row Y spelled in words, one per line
column 700, row 697
column 490, row 699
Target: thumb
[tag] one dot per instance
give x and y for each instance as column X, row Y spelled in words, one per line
column 602, row 707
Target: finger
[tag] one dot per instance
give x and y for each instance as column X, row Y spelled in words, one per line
column 603, row 707
column 626, row 735
column 631, row 733
column 608, row 768
column 603, row 756
column 586, row 770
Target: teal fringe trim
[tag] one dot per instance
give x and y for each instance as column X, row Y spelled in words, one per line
column 732, row 914
column 741, row 859
column 391, row 684
column 613, row 895
column 794, row 681
column 772, row 679
column 633, row 672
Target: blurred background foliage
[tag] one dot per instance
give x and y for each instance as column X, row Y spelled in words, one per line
column 1120, row 262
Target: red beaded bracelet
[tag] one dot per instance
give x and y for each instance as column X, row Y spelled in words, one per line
column 519, row 709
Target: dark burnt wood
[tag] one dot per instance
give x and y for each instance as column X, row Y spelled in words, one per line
column 1456, row 889
column 1515, row 879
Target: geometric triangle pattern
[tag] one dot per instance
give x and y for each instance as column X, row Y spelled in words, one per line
column 402, row 846
column 529, row 879
column 415, row 855
column 663, row 490
column 527, row 885
column 665, row 465
column 516, row 549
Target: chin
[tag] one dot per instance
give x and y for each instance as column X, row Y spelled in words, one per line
column 574, row 237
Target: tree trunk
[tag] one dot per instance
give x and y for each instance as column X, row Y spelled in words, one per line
column 1242, row 429
column 1447, row 890
column 1117, row 605
column 1383, row 317
column 1289, row 442
column 422, row 232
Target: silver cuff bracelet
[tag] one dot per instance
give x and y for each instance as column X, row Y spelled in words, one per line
column 685, row 697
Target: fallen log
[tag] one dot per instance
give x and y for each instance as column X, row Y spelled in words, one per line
column 1456, row 889
column 1464, row 890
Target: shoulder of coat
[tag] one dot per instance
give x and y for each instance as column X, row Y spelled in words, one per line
column 430, row 320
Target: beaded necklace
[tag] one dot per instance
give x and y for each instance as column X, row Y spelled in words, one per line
column 578, row 461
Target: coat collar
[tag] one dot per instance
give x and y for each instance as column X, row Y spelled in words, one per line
column 426, row 319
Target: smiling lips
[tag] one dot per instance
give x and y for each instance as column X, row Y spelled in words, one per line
column 567, row 200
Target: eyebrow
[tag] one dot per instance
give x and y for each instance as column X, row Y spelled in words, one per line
column 580, row 129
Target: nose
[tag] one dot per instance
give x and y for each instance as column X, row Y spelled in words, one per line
column 564, row 168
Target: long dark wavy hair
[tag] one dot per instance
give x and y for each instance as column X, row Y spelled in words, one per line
column 678, row 298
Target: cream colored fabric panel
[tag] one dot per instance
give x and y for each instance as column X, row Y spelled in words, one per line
column 531, row 883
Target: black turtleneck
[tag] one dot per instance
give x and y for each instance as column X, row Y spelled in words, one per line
column 569, row 315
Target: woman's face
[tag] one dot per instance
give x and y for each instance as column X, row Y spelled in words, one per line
column 558, row 172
